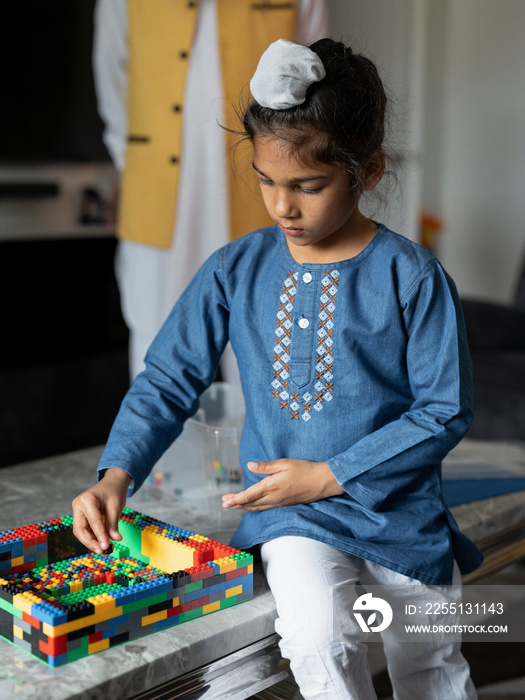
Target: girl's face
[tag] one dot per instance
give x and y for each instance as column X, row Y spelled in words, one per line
column 312, row 205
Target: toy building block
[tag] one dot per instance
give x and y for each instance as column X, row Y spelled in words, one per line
column 60, row 602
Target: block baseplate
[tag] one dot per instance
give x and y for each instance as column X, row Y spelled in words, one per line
column 60, row 602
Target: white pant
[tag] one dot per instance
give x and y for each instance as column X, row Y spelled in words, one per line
column 314, row 586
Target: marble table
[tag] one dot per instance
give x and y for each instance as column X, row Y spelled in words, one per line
column 232, row 653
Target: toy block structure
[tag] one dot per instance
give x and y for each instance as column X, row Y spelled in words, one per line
column 60, row 602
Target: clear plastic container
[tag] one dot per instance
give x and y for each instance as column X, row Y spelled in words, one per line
column 203, row 462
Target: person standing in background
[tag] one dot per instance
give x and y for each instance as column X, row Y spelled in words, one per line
column 167, row 74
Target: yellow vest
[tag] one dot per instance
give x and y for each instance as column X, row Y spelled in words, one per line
column 160, row 40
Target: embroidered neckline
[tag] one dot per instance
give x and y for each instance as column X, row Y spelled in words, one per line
column 324, row 379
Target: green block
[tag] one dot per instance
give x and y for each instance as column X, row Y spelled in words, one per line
column 131, row 538
column 10, row 608
column 81, row 652
column 195, row 586
column 228, row 602
column 190, row 615
column 245, row 559
column 131, row 607
column 144, row 602
column 153, row 600
column 120, row 551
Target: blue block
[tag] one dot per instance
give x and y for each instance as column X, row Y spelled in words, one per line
column 114, row 624
column 218, row 588
column 123, row 596
column 163, row 584
column 200, row 593
column 45, row 612
column 17, row 548
column 168, row 622
column 144, row 590
column 245, row 581
column 57, row 660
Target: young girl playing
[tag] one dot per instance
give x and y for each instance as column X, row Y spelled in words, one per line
column 356, row 377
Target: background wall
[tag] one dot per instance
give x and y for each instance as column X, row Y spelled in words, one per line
column 483, row 173
column 457, row 68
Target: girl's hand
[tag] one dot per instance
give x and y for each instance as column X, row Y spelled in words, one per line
column 288, row 481
column 96, row 512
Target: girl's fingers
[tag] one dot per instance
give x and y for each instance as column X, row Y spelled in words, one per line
column 84, row 532
column 111, row 526
column 88, row 523
column 245, row 498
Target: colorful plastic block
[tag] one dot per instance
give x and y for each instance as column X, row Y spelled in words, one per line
column 61, row 603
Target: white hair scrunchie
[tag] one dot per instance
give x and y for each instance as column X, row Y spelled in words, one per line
column 284, row 74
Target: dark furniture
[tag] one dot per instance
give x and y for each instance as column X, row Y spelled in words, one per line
column 64, row 355
column 496, row 335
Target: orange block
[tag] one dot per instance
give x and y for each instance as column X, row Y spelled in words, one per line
column 54, row 646
column 31, row 620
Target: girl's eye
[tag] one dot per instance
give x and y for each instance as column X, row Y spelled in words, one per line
column 313, row 190
column 304, row 190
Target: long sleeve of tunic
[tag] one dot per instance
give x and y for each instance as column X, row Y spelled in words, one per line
column 362, row 364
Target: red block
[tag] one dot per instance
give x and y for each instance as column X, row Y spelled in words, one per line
column 54, row 646
column 96, row 637
column 31, row 620
column 22, row 568
column 195, row 604
column 199, row 573
column 236, row 573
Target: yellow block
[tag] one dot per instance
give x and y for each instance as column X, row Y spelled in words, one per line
column 18, row 632
column 17, row 561
column 198, row 538
column 103, row 603
column 233, row 591
column 250, row 569
column 211, row 607
column 154, row 617
column 226, row 564
column 164, row 553
column 98, row 646
column 24, row 601
column 67, row 627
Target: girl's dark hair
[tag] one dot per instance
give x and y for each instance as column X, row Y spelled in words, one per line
column 342, row 119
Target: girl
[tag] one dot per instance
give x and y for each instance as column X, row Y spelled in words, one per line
column 356, row 376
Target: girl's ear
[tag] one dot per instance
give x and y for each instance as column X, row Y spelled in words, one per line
column 374, row 170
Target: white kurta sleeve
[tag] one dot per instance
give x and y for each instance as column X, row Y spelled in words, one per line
column 110, row 67
column 312, row 21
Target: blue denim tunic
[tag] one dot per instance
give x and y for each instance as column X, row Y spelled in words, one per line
column 362, row 364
